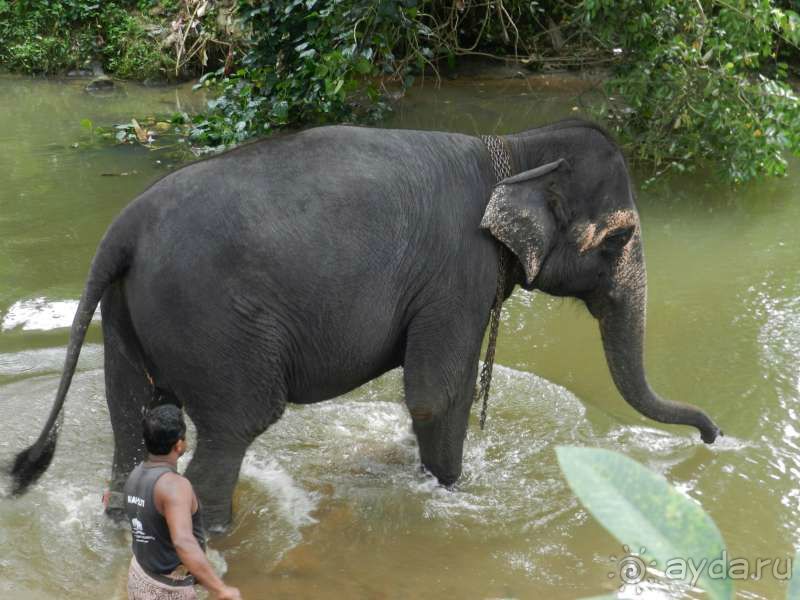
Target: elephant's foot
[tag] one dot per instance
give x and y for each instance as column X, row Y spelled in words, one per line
column 445, row 466
column 440, row 458
column 446, row 481
column 115, row 506
column 217, row 519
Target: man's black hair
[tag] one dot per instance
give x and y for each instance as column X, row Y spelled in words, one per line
column 163, row 426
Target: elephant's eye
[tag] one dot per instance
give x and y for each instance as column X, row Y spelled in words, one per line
column 617, row 239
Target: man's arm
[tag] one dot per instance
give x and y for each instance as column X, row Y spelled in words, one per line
column 174, row 497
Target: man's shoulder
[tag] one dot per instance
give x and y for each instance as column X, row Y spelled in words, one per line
column 172, row 481
column 172, row 489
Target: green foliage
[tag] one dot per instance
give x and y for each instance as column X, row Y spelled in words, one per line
column 642, row 510
column 167, row 6
column 51, row 37
column 32, row 37
column 702, row 82
column 321, row 61
column 309, row 61
column 39, row 37
column 129, row 51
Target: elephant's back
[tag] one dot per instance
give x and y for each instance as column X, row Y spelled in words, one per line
column 301, row 202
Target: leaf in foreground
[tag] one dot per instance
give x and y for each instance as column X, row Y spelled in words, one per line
column 794, row 583
column 642, row 510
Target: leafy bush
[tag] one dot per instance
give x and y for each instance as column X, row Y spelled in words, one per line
column 35, row 37
column 702, row 82
column 129, row 51
column 308, row 61
column 52, row 37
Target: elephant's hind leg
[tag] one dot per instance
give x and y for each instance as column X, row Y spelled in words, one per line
column 128, row 392
column 214, row 471
column 223, row 437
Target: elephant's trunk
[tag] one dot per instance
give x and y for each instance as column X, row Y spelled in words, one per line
column 622, row 326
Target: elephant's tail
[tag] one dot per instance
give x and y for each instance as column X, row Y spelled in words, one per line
column 110, row 262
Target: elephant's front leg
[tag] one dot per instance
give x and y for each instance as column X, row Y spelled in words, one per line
column 440, row 368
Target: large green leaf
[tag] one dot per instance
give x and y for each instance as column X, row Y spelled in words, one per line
column 642, row 510
column 794, row 583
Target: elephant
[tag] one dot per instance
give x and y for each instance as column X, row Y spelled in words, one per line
column 297, row 268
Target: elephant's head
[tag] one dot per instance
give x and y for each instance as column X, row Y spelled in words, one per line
column 572, row 223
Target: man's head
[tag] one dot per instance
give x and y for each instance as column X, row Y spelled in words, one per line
column 164, row 428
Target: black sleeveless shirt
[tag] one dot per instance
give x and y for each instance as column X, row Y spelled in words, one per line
column 152, row 545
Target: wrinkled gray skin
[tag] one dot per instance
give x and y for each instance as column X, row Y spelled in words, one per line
column 298, row 268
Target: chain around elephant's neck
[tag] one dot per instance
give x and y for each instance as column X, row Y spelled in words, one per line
column 499, row 155
column 501, row 164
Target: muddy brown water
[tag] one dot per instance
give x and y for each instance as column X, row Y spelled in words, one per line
column 331, row 503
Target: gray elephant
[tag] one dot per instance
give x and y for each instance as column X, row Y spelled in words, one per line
column 297, row 268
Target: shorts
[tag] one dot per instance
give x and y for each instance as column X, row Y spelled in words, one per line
column 142, row 586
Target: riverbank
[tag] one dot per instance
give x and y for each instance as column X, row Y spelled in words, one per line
column 169, row 131
column 687, row 87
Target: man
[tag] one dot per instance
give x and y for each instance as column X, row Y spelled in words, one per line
column 168, row 538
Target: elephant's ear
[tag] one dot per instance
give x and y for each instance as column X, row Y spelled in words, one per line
column 524, row 213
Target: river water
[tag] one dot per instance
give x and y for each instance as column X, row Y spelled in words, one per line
column 330, row 503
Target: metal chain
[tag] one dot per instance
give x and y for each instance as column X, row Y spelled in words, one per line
column 501, row 164
column 494, row 325
column 499, row 155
